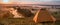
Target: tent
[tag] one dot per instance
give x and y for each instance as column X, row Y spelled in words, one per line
column 43, row 15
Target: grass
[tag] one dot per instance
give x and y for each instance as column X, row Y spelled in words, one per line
column 18, row 21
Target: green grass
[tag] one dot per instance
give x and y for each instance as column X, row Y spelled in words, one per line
column 18, row 21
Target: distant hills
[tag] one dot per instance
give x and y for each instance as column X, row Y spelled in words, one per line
column 39, row 3
column 51, row 3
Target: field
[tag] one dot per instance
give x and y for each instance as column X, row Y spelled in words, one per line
column 24, row 21
column 21, row 21
column 18, row 21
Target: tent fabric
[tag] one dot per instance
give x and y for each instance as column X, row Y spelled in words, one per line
column 42, row 16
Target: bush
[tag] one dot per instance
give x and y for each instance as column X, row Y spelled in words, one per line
column 5, row 14
column 25, row 12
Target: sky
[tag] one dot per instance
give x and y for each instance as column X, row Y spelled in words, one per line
column 29, row 0
column 32, row 1
column 35, row 0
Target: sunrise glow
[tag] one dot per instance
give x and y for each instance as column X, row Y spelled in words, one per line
column 6, row 1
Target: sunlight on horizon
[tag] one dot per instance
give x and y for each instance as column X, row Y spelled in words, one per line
column 5, row 2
